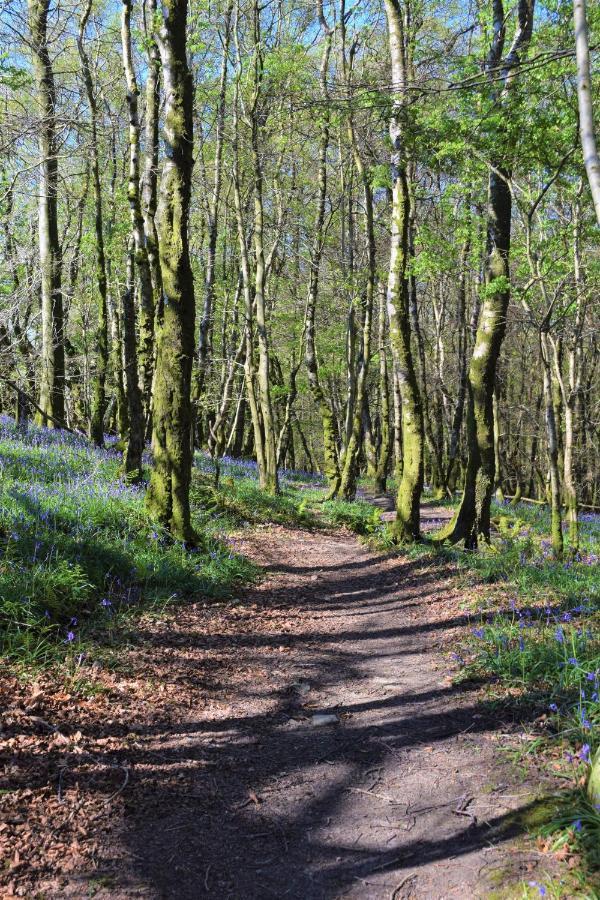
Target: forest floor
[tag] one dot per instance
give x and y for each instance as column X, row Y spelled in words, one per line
column 199, row 765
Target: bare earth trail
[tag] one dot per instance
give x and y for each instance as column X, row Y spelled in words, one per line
column 243, row 796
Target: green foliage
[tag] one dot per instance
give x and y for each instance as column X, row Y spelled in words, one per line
column 78, row 549
column 357, row 515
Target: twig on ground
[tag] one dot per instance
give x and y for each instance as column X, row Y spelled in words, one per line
column 395, row 893
column 123, row 786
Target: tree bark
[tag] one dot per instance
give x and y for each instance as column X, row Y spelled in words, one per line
column 330, row 449
column 472, row 519
column 99, row 390
column 147, row 311
column 584, row 99
column 52, row 374
column 169, row 492
column 407, row 524
column 132, row 458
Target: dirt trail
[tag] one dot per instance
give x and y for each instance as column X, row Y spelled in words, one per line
column 403, row 798
column 232, row 791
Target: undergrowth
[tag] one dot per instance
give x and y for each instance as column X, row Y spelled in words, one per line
column 78, row 549
column 79, row 555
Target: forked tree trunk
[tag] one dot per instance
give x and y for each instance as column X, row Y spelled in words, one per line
column 52, row 372
column 169, row 492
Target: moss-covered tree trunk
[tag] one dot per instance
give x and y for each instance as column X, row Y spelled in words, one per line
column 169, row 493
column 407, row 524
column 147, row 306
column 149, row 181
column 52, row 368
column 472, row 520
column 101, row 341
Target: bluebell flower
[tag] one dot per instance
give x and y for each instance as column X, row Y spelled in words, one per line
column 584, row 753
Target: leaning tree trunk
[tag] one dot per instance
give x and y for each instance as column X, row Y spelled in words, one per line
column 407, row 525
column 52, row 374
column 99, row 390
column 169, row 492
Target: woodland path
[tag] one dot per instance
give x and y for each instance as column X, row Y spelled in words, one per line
column 233, row 792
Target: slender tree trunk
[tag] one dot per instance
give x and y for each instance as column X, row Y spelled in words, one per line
column 268, row 475
column 472, row 520
column 551, row 431
column 330, row 451
column 149, row 180
column 132, row 458
column 169, row 493
column 147, row 312
column 99, row 390
column 584, row 98
column 52, row 374
column 407, row 525
column 212, row 215
column 385, row 443
column 459, row 405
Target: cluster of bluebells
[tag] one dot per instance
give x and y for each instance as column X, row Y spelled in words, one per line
column 550, row 644
column 77, row 539
column 232, row 467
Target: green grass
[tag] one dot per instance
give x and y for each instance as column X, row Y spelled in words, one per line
column 78, row 550
column 80, row 557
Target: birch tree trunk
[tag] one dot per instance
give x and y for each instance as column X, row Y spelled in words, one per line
column 584, row 99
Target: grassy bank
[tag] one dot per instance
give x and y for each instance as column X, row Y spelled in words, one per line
column 79, row 555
